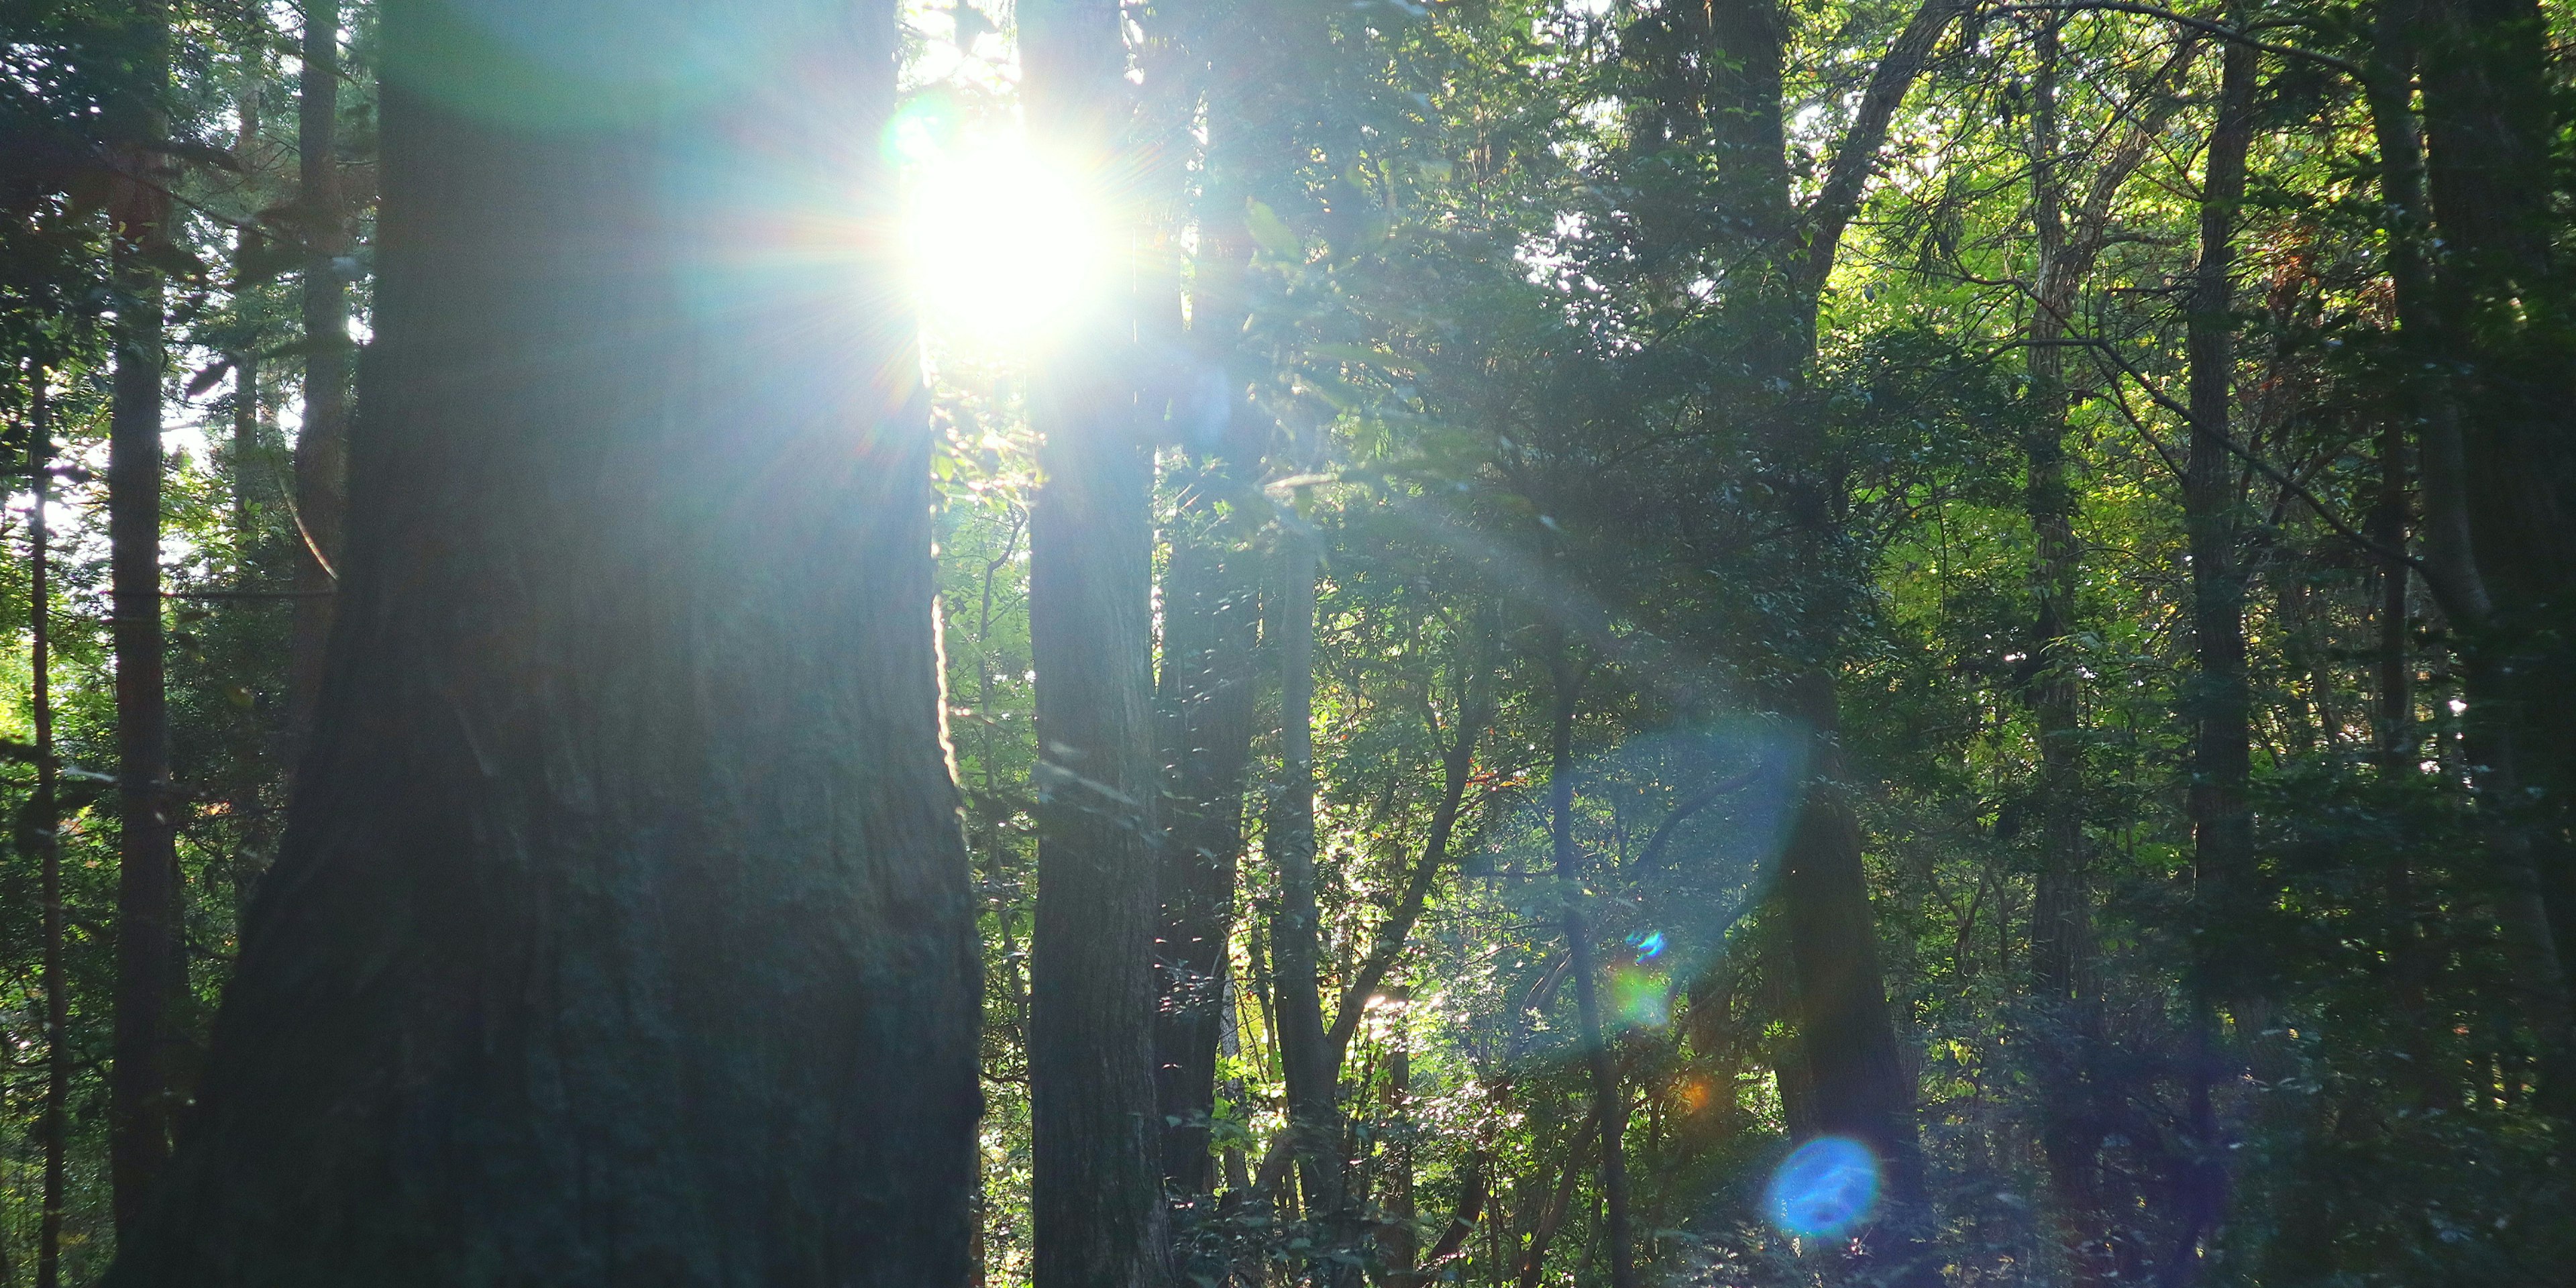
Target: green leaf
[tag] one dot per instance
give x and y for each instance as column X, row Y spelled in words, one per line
column 1272, row 232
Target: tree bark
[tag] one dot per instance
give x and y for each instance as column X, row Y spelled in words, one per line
column 1551, row 1217
column 621, row 934
column 1211, row 628
column 2490, row 116
column 1210, row 624
column 1315, row 1120
column 2222, row 818
column 2061, row 951
column 1858, row 1086
column 149, row 968
column 1609, row 1102
column 43, row 827
column 1096, row 1195
column 322, row 443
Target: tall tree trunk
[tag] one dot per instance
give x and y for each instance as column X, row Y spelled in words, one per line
column 2061, row 918
column 255, row 742
column 1096, row 1194
column 1609, row 1102
column 1857, row 1083
column 248, row 242
column 622, row 933
column 43, row 826
column 2061, row 913
column 148, row 963
column 2489, row 122
column 1211, row 627
column 1209, row 624
column 2222, row 818
column 2489, row 118
column 322, row 443
column 1305, row 1053
column 321, row 503
column 1859, row 1087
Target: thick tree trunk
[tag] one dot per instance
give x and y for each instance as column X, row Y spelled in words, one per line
column 149, row 968
column 1609, row 1102
column 622, row 932
column 2061, row 914
column 2489, row 124
column 2489, row 119
column 1096, row 1194
column 322, row 444
column 1857, row 1085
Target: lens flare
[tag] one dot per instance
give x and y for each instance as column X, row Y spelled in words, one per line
column 1823, row 1188
column 1003, row 247
column 1641, row 997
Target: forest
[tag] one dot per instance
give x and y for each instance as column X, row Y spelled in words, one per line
column 1287, row 643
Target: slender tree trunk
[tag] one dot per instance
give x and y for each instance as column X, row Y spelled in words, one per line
column 2061, row 915
column 1550, row 1217
column 1096, row 1194
column 1315, row 1123
column 248, row 242
column 622, row 934
column 2221, row 816
column 1211, row 627
column 2059, row 921
column 148, row 962
column 322, row 443
column 1209, row 623
column 1609, row 1102
column 44, row 823
column 1402, row 1249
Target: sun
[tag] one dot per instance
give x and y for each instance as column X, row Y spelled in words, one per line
column 1004, row 248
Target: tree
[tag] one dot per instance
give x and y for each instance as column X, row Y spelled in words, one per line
column 321, row 446
column 621, row 932
column 150, row 971
column 1096, row 1197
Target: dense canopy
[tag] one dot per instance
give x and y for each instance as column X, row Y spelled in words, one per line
column 1574, row 642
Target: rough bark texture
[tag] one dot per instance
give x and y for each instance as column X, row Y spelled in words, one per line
column 1858, row 1086
column 1096, row 1195
column 322, row 444
column 149, row 969
column 621, row 934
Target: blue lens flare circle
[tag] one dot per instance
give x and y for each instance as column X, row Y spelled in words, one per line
column 1823, row 1188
